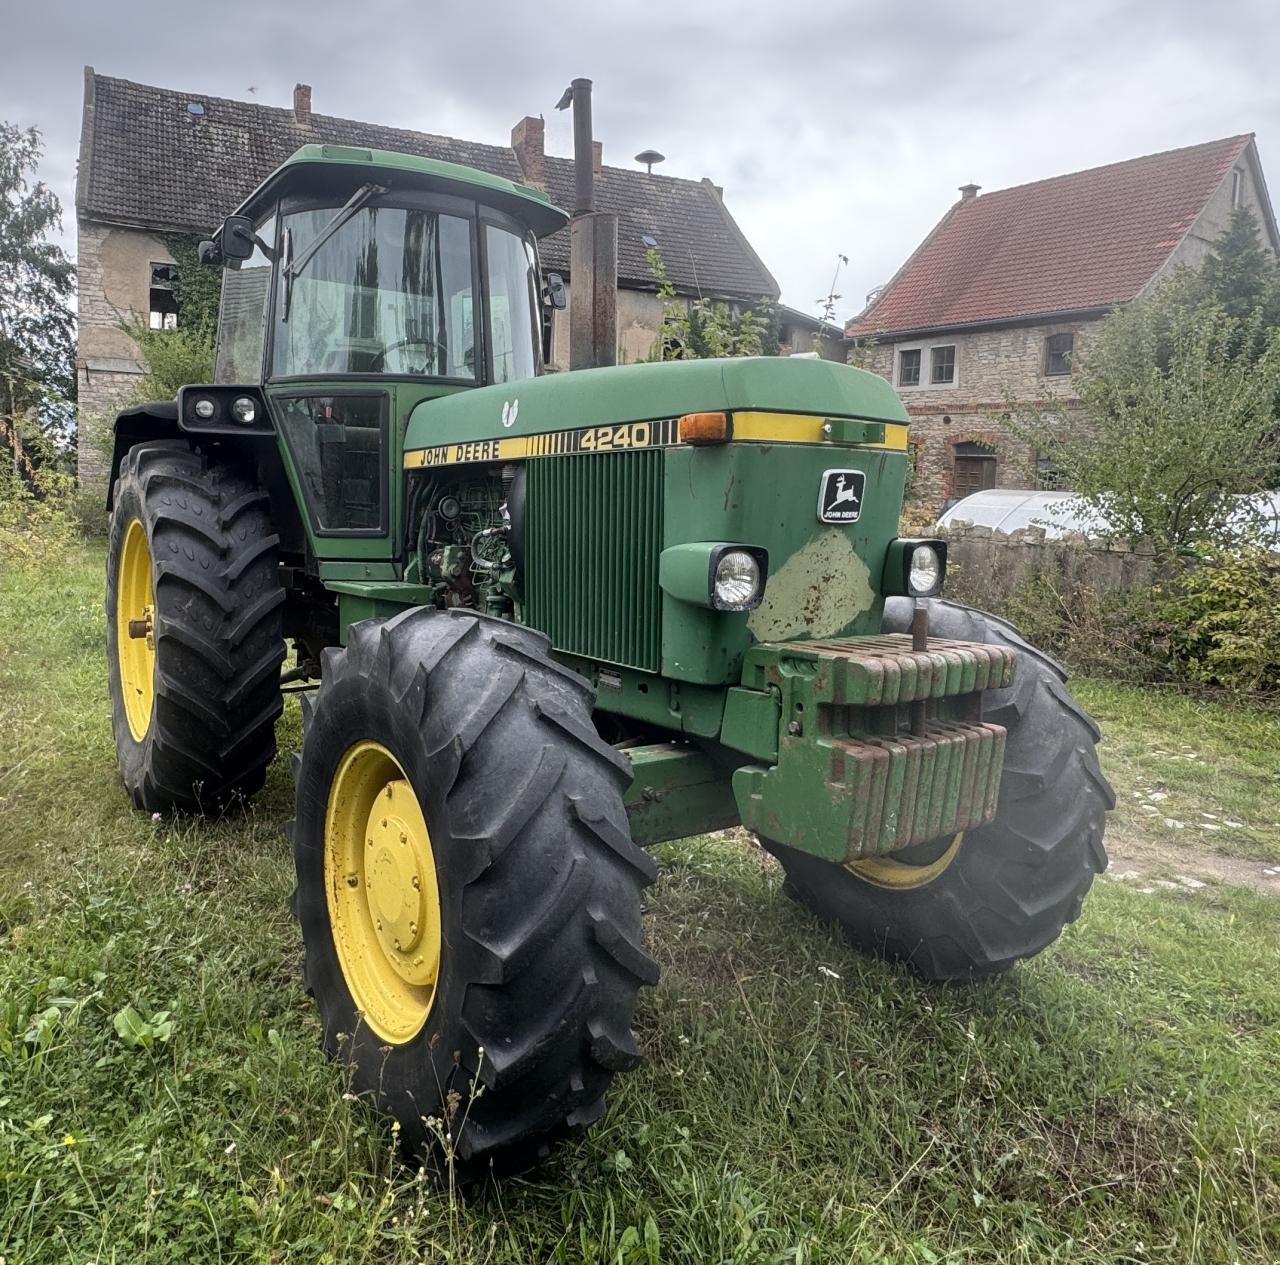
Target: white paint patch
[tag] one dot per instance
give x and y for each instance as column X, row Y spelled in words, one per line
column 816, row 593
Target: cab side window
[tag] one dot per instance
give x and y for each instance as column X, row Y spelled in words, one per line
column 242, row 320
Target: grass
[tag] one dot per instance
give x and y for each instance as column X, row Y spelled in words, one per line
column 1190, row 769
column 1116, row 1099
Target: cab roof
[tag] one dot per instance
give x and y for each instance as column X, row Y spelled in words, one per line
column 409, row 171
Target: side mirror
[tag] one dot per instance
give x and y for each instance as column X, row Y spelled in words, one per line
column 236, row 237
column 554, row 292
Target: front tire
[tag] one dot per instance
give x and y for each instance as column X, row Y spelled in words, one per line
column 194, row 629
column 971, row 907
column 497, row 1011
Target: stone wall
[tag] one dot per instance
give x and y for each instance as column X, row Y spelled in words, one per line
column 114, row 269
column 985, row 567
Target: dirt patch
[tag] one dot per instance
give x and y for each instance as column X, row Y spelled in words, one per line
column 1152, row 865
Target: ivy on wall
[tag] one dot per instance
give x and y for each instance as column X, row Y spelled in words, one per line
column 174, row 357
column 197, row 289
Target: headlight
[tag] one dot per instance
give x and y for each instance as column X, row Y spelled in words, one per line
column 244, row 409
column 736, row 584
column 203, row 409
column 914, row 568
column 715, row 575
column 925, row 576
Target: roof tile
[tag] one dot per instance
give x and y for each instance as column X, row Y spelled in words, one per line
column 1070, row 243
column 152, row 162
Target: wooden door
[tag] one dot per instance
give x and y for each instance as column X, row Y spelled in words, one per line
column 973, row 474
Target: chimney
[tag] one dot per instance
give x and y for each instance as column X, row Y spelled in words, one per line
column 597, row 156
column 302, row 104
column 968, row 192
column 528, row 138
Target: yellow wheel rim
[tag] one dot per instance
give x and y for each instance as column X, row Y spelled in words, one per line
column 901, row 876
column 384, row 901
column 135, row 630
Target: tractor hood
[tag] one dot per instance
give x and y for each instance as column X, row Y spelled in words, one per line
column 645, row 392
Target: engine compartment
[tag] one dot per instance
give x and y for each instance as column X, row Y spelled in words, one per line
column 464, row 530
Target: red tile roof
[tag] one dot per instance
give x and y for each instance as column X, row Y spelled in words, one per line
column 1069, row 243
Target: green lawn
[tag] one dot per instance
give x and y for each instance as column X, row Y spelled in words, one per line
column 1190, row 771
column 1117, row 1099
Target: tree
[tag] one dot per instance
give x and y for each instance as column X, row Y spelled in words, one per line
column 37, row 347
column 1240, row 273
column 1178, row 401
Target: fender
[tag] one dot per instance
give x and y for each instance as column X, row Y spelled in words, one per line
column 156, row 419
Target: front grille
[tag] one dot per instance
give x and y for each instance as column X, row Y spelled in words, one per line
column 593, row 531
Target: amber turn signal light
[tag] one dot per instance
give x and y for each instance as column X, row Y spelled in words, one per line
column 704, row 428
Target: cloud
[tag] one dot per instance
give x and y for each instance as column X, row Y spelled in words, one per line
column 839, row 128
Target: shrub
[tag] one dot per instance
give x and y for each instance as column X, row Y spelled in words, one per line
column 1224, row 621
column 36, row 529
column 173, row 358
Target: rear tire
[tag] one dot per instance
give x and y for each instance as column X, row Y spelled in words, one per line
column 529, row 1013
column 1010, row 887
column 197, row 730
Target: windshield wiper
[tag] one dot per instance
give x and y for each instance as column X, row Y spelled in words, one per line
column 344, row 216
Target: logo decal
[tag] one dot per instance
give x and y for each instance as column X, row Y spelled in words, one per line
column 509, row 410
column 840, row 496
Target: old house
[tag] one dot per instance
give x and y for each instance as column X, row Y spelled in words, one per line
column 1000, row 299
column 156, row 162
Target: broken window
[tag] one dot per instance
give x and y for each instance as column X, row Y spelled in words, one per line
column 1049, row 476
column 164, row 305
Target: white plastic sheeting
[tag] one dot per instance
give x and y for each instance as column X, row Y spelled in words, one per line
column 1008, row 509
column 1058, row 513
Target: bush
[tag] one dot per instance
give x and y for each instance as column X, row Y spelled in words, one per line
column 36, row 529
column 173, row 358
column 1119, row 635
column 1207, row 621
column 1224, row 626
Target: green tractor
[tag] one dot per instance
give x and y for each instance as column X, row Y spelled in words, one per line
column 554, row 619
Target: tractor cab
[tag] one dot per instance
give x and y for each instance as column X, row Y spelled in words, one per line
column 360, row 284
column 356, row 263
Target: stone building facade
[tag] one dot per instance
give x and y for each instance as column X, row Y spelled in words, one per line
column 996, row 306
column 114, row 274
column 154, row 161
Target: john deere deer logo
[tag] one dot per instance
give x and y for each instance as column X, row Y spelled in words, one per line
column 840, row 496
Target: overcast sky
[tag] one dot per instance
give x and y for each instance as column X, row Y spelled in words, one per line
column 834, row 128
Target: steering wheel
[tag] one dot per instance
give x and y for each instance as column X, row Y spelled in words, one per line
column 380, row 360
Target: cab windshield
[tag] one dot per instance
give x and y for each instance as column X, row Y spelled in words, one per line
column 390, row 291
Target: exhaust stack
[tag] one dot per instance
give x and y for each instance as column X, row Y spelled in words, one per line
column 593, row 249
